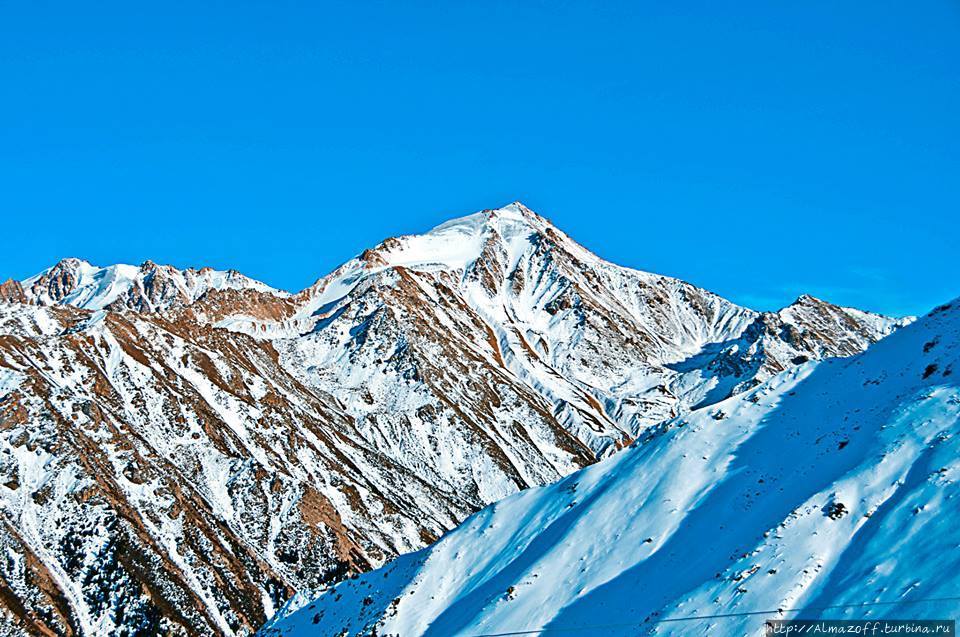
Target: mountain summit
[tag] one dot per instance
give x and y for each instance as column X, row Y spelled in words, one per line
column 182, row 451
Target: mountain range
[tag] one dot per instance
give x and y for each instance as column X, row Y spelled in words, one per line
column 828, row 491
column 183, row 451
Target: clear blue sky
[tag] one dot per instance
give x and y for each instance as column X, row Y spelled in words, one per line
column 759, row 149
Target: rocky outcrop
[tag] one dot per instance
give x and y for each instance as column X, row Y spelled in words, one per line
column 12, row 292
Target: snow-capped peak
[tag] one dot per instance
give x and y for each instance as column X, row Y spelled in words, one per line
column 147, row 287
column 457, row 243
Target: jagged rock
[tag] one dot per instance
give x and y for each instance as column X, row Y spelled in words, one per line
column 12, row 292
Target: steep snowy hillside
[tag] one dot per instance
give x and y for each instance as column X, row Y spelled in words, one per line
column 832, row 484
column 245, row 443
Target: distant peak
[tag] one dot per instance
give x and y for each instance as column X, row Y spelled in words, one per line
column 71, row 262
column 806, row 303
column 515, row 210
column 76, row 282
column 515, row 207
column 459, row 241
column 807, row 299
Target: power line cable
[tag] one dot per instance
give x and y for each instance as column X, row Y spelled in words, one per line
column 519, row 633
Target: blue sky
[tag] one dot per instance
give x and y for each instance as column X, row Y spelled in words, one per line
column 758, row 149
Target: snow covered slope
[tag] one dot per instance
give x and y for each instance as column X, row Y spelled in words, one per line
column 245, row 443
column 831, row 484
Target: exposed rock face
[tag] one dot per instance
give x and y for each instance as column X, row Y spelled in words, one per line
column 12, row 292
column 180, row 451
